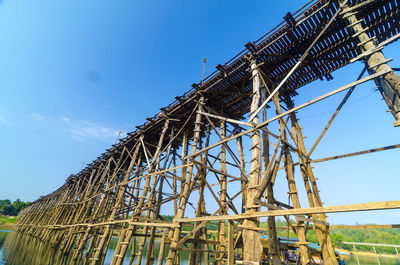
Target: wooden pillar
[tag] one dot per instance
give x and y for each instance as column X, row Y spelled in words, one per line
column 231, row 246
column 193, row 255
column 242, row 170
column 101, row 250
column 118, row 257
column 314, row 199
column 301, row 233
column 252, row 247
column 389, row 84
column 152, row 199
column 273, row 251
column 156, row 212
column 288, row 162
column 223, row 186
column 185, row 189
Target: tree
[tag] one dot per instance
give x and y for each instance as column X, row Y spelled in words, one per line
column 12, row 209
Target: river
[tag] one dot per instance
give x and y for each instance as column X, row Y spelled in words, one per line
column 364, row 260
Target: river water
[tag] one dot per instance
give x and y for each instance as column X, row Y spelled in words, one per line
column 350, row 261
column 4, row 251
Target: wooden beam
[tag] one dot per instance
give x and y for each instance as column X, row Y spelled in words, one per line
column 372, row 206
column 389, row 147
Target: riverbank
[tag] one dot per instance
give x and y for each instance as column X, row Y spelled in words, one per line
column 5, row 227
column 6, row 222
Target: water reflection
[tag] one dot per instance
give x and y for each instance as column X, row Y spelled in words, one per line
column 20, row 249
column 3, row 236
column 373, row 261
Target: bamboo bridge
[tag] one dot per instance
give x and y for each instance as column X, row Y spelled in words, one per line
column 213, row 155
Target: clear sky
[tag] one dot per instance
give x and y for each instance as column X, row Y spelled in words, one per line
column 73, row 73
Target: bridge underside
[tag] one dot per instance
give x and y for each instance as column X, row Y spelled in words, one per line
column 200, row 162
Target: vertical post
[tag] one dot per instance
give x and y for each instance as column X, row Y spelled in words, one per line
column 231, row 252
column 174, row 181
column 252, row 247
column 287, row 159
column 273, row 250
column 355, row 253
column 377, row 257
column 301, row 234
column 242, row 170
column 203, row 205
column 156, row 212
column 161, row 253
column 313, row 196
column 195, row 256
column 185, row 189
column 389, row 84
column 221, row 224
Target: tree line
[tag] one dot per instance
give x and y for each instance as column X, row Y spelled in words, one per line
column 11, row 208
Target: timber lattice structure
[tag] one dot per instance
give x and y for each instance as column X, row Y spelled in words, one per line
column 190, row 158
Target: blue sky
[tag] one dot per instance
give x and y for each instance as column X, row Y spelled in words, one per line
column 74, row 73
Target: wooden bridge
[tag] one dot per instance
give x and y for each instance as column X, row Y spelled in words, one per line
column 204, row 161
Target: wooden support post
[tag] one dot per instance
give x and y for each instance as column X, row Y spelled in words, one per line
column 161, row 253
column 185, row 190
column 174, row 183
column 242, row 170
column 301, row 234
column 118, row 256
column 313, row 196
column 156, row 211
column 106, row 236
column 196, row 255
column 389, row 84
column 201, row 209
column 273, row 250
column 252, row 247
column 231, row 241
column 223, row 193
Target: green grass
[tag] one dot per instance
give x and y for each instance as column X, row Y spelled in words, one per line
column 371, row 235
column 6, row 222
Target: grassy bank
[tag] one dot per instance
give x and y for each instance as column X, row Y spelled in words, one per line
column 370, row 235
column 6, row 222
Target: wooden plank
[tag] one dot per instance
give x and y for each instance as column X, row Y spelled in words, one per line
column 390, row 147
column 372, row 206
